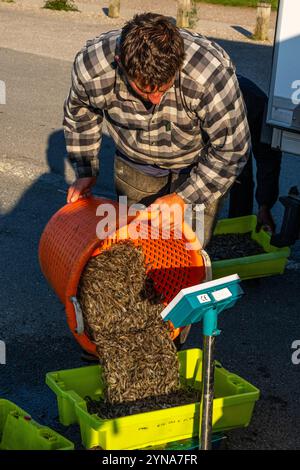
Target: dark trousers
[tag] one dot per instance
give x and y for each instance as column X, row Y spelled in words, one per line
column 242, row 192
column 268, row 160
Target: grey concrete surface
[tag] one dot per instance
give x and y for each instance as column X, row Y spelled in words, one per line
column 27, row 16
column 256, row 335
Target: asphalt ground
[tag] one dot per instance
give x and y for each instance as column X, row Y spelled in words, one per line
column 255, row 343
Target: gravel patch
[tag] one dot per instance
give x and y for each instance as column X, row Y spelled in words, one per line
column 216, row 20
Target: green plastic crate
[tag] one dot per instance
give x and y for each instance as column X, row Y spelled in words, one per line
column 233, row 406
column 249, row 267
column 18, row 431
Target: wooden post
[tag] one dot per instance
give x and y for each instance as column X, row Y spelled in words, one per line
column 114, row 9
column 262, row 21
column 183, row 13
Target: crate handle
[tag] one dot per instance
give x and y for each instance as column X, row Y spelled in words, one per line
column 237, row 382
column 78, row 314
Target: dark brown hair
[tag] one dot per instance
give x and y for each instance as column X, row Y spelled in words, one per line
column 151, row 49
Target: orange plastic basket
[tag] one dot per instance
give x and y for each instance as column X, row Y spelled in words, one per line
column 70, row 240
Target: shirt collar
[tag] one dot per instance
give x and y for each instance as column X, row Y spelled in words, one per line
column 122, row 89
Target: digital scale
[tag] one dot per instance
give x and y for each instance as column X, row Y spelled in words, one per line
column 204, row 302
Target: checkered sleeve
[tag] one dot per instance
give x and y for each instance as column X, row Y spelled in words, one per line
column 82, row 124
column 223, row 120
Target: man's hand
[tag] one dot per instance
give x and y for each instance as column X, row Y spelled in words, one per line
column 166, row 211
column 80, row 188
column 265, row 220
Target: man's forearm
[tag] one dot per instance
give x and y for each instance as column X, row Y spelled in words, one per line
column 83, row 141
column 210, row 179
column 82, row 127
column 223, row 116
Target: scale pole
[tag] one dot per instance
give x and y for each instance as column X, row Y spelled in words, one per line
column 204, row 302
column 206, row 408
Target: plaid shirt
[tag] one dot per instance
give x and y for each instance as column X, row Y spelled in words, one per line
column 201, row 119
